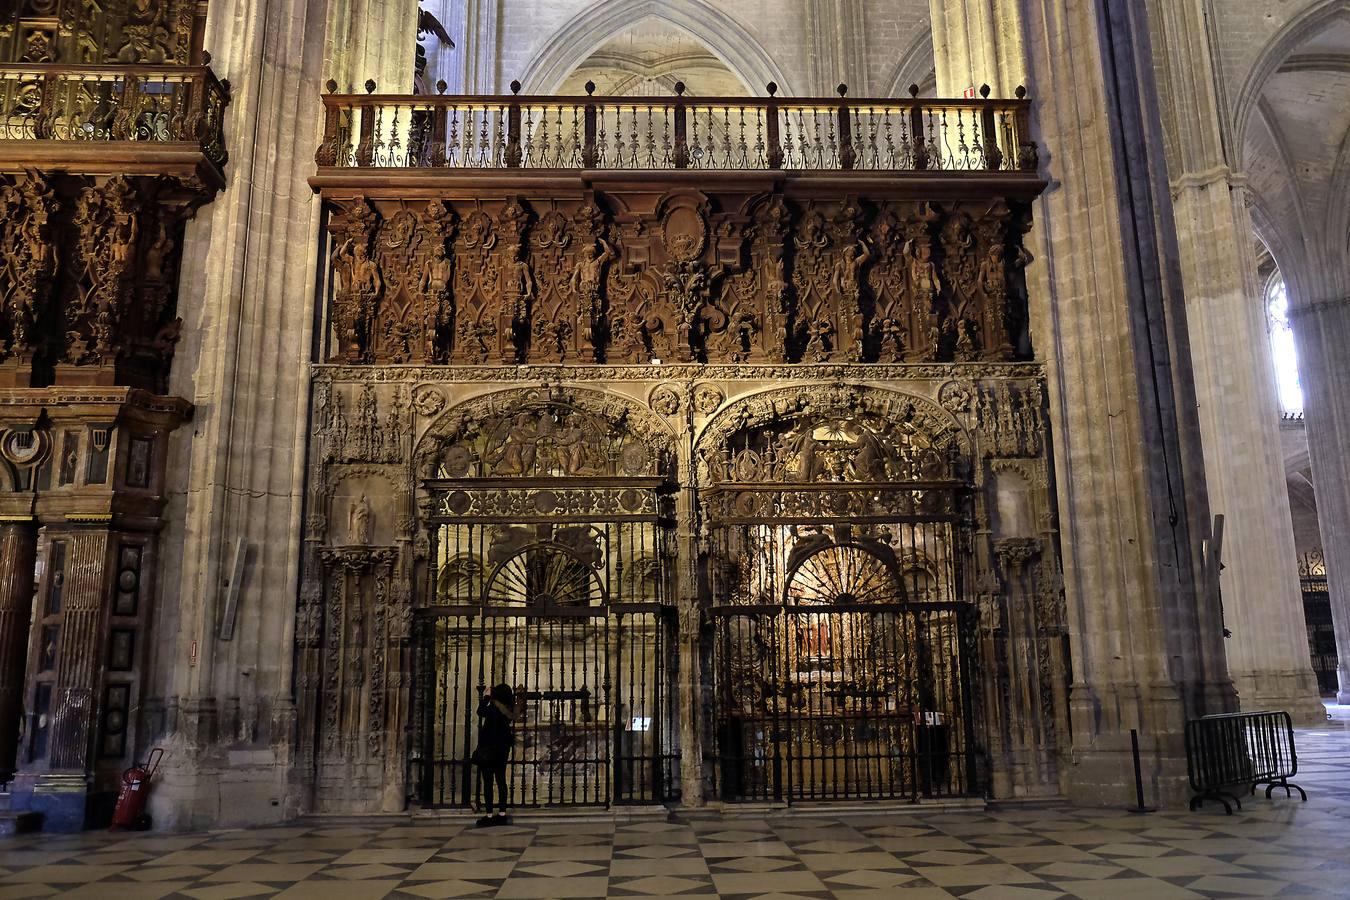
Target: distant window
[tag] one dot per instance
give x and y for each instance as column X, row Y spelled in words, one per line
column 1282, row 348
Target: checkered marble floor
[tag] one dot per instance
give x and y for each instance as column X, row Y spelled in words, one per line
column 1276, row 848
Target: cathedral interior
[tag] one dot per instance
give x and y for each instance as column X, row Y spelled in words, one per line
column 906, row 403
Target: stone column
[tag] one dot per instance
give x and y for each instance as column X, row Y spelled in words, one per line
column 239, row 479
column 977, row 43
column 18, row 551
column 1322, row 333
column 1235, row 381
column 1110, row 322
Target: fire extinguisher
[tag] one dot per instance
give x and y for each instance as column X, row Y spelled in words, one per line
column 130, row 810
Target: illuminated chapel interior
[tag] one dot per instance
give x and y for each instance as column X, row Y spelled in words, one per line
column 792, row 403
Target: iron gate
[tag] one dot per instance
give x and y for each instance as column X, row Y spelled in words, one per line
column 846, row 702
column 592, row 704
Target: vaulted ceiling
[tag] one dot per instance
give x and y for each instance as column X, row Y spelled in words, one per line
column 1296, row 152
column 648, row 58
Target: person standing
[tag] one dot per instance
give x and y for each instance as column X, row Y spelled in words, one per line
column 495, row 737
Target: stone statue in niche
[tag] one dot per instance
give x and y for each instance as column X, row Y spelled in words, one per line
column 358, row 521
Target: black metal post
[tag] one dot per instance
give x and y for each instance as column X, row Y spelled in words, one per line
column 1138, row 776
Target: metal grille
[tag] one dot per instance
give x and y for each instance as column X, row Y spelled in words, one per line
column 849, row 702
column 570, row 615
column 843, row 648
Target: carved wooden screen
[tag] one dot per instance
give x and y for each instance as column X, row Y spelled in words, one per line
column 838, row 531
column 550, row 557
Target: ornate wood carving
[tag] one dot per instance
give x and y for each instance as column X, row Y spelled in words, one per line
column 125, row 32
column 88, row 278
column 27, row 263
column 683, row 277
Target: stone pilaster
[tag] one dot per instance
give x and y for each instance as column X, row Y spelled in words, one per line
column 1109, row 320
column 1235, row 382
column 235, row 481
column 18, row 549
column 978, row 43
column 1322, row 332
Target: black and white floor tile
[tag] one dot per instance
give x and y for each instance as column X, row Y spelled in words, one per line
column 1272, row 848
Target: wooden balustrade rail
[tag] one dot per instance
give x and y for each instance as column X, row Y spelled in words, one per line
column 681, row 132
column 151, row 104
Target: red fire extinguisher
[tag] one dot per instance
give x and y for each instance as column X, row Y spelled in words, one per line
column 130, row 810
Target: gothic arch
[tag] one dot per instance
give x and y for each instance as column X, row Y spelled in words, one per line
column 597, row 23
column 915, row 66
column 1296, row 31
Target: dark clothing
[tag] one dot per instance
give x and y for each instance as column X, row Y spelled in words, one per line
column 494, row 732
column 486, row 776
column 494, row 749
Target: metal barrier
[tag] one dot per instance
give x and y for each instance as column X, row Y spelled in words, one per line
column 1240, row 750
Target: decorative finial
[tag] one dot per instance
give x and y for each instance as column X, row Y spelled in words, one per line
column 441, row 86
column 1021, row 92
column 331, row 85
column 515, row 87
column 679, row 88
column 984, row 91
column 370, row 85
column 914, row 90
column 842, row 89
column 772, row 88
column 590, row 88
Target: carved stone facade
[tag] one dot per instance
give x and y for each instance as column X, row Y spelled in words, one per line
column 401, row 450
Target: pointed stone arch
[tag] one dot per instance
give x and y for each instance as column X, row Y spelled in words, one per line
column 1296, row 31
column 597, row 23
column 915, row 66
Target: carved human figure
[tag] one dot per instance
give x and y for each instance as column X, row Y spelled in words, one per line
column 848, row 269
column 893, row 337
column 589, row 274
column 818, row 335
column 522, row 444
column 518, row 281
column 569, row 443
column 358, row 521
column 810, row 464
column 869, row 463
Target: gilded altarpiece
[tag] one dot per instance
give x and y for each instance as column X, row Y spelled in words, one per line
column 842, row 388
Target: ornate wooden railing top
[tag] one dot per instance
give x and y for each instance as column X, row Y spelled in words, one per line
column 101, row 104
column 655, row 133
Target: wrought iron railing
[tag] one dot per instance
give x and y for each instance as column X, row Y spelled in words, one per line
column 103, row 104
column 679, row 132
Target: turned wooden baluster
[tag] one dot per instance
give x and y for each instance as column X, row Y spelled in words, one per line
column 847, row 154
column 775, row 149
column 993, row 155
column 681, row 128
column 589, row 155
column 513, row 152
column 917, row 131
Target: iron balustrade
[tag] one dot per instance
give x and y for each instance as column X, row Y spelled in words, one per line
column 1235, row 750
column 444, row 131
column 105, row 104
